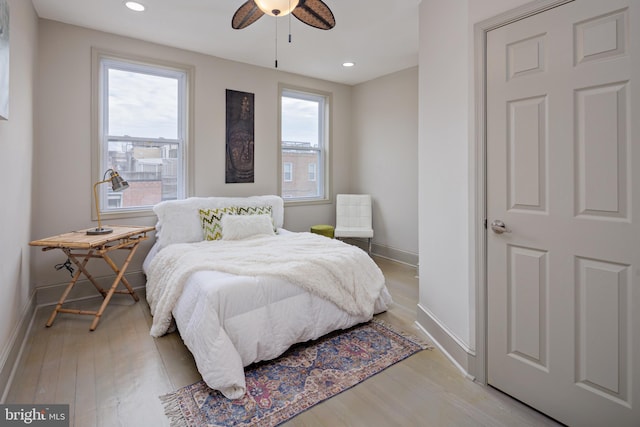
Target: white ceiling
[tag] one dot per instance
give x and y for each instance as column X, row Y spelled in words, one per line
column 380, row 36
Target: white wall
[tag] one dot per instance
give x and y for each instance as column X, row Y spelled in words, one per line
column 446, row 158
column 16, row 146
column 63, row 151
column 443, row 159
column 384, row 152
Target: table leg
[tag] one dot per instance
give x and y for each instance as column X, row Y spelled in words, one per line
column 123, row 279
column 70, row 286
column 82, row 268
column 113, row 287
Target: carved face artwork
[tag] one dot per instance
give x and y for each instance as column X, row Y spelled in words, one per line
column 241, row 150
column 240, row 137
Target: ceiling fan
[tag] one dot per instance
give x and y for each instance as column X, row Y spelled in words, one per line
column 312, row 12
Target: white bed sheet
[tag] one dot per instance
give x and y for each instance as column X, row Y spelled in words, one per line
column 229, row 321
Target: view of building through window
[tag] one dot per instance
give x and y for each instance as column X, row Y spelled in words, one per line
column 303, row 145
column 150, row 168
column 298, row 159
column 143, row 133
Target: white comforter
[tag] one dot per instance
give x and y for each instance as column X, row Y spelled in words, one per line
column 267, row 294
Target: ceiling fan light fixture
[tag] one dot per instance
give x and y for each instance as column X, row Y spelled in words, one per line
column 276, row 7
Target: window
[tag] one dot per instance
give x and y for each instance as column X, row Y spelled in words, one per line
column 287, row 172
column 143, row 132
column 304, row 144
column 313, row 167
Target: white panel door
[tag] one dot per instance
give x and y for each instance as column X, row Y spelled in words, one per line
column 563, row 175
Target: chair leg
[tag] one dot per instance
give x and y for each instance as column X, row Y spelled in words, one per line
column 369, row 245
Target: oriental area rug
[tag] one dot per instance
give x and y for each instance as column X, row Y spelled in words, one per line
column 302, row 377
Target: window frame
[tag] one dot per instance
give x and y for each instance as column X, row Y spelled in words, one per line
column 323, row 172
column 99, row 125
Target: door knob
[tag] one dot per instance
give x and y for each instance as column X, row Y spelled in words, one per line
column 499, row 227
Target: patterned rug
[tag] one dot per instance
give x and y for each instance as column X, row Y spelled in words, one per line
column 304, row 376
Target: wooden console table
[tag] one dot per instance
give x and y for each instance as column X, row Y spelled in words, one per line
column 81, row 247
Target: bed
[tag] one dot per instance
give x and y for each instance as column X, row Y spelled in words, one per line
column 240, row 289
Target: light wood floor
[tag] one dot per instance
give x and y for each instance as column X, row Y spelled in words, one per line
column 114, row 375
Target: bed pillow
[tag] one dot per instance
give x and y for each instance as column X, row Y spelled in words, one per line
column 257, row 210
column 210, row 220
column 179, row 221
column 254, row 210
column 238, row 227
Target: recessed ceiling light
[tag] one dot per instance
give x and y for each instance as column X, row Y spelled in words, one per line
column 348, row 64
column 134, row 5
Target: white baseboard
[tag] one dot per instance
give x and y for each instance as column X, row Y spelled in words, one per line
column 455, row 350
column 13, row 351
column 388, row 252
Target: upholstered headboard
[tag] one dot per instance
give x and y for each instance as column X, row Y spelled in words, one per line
column 179, row 220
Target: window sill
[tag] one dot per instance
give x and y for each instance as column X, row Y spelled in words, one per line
column 133, row 213
column 306, row 202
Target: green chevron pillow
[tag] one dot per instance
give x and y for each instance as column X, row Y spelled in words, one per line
column 210, row 220
column 253, row 210
column 256, row 210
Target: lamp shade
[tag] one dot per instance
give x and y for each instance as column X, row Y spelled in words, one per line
column 276, row 7
column 117, row 182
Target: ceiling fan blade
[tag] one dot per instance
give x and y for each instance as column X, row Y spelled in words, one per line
column 246, row 15
column 315, row 13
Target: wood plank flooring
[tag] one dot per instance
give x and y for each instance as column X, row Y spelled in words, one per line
column 114, row 375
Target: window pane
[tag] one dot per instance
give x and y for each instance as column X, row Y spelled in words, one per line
column 300, row 121
column 142, row 105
